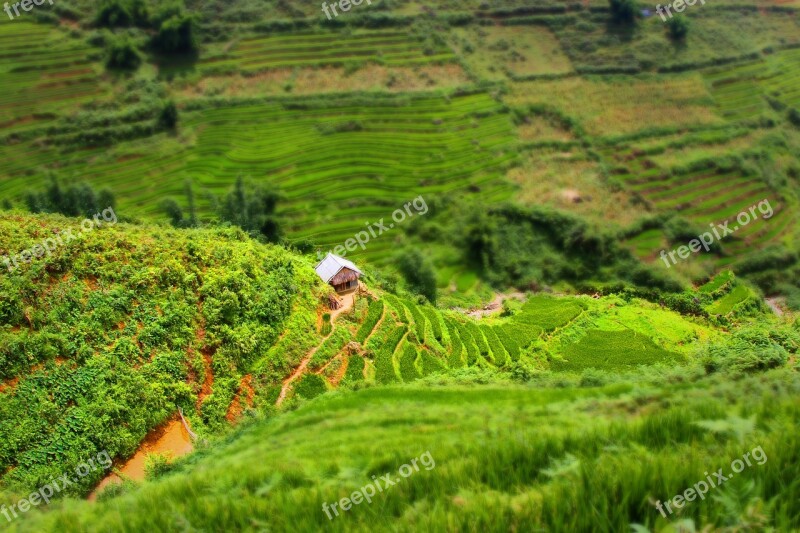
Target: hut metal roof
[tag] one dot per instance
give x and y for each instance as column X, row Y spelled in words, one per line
column 332, row 265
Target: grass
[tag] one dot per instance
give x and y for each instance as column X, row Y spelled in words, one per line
column 548, row 313
column 606, row 350
column 725, row 305
column 503, row 52
column 537, row 446
column 615, row 107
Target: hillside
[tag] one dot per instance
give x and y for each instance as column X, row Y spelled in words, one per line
column 114, row 332
column 499, row 457
column 111, row 335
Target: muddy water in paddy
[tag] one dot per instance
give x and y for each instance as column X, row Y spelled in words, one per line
column 171, row 439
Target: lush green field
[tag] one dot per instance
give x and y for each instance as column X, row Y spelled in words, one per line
column 43, row 73
column 492, row 457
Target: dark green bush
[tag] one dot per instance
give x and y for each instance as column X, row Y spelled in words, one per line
column 123, row 55
column 623, row 11
column 678, row 27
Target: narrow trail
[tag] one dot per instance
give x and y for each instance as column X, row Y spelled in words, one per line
column 348, row 301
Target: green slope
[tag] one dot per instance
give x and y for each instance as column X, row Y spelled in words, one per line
column 492, row 458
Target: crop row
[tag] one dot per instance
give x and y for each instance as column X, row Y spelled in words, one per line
column 384, row 359
column 374, row 313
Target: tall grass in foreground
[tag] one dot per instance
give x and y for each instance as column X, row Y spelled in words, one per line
column 508, row 458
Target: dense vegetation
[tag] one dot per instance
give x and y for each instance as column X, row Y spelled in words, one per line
column 107, row 337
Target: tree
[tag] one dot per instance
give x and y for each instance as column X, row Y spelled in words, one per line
column 174, row 212
column 113, row 14
column 176, row 35
column 678, row 27
column 252, row 208
column 794, row 117
column 419, row 273
column 123, row 55
column 122, row 13
column 75, row 200
column 168, row 118
column 623, row 11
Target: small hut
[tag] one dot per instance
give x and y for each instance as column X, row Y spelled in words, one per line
column 338, row 272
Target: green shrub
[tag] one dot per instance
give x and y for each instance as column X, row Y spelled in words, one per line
column 794, row 117
column 177, row 35
column 156, row 465
column 310, row 386
column 355, row 370
column 678, row 27
column 168, row 117
column 750, row 350
column 623, row 11
column 73, row 201
column 122, row 13
column 123, row 55
column 418, row 272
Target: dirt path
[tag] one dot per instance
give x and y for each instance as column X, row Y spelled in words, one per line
column 9, row 385
column 244, row 397
column 776, row 304
column 496, row 305
column 348, row 301
column 299, row 370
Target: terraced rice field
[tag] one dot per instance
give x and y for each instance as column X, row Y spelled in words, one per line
column 411, row 341
column 612, row 350
column 318, row 49
column 339, row 166
column 741, row 92
column 704, row 196
column 42, row 72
